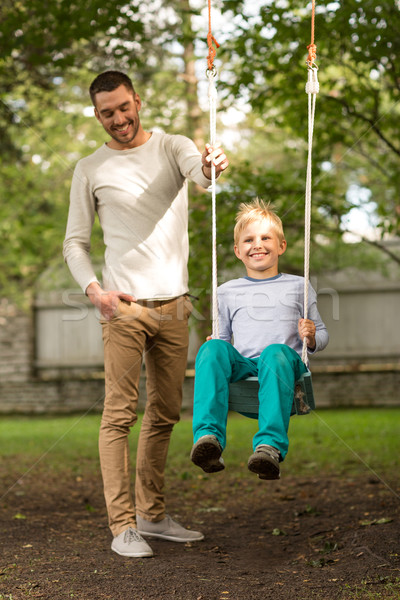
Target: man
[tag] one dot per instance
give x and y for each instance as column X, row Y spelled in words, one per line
column 137, row 183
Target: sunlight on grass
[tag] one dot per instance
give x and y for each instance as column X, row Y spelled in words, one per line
column 340, row 441
column 344, row 441
column 390, row 590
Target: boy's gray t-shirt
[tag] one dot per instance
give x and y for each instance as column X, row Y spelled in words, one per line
column 259, row 312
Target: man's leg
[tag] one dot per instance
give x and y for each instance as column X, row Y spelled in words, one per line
column 124, row 339
column 166, row 360
column 279, row 366
column 217, row 364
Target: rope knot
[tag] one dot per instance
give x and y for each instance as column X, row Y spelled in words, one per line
column 211, row 41
column 312, row 54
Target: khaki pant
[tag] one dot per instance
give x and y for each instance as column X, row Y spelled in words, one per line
column 159, row 331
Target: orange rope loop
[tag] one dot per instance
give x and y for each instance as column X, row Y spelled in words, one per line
column 312, row 54
column 312, row 48
column 210, row 41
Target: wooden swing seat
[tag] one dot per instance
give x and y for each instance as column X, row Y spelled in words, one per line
column 243, row 396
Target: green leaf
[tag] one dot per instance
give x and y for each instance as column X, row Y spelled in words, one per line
column 277, row 531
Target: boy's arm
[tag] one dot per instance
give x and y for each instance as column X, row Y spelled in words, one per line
column 317, row 331
column 224, row 317
column 307, row 330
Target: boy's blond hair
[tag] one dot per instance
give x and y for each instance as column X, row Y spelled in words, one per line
column 257, row 211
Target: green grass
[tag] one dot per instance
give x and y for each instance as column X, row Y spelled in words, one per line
column 345, row 441
column 340, row 441
column 389, row 590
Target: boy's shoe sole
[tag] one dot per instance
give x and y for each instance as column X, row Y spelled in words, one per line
column 265, row 462
column 206, row 454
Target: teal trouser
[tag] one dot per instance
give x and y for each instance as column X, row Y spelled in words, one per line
column 218, row 363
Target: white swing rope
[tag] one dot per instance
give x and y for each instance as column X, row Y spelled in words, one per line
column 312, row 89
column 212, row 98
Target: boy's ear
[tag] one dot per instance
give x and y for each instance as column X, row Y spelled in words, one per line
column 236, row 251
column 282, row 248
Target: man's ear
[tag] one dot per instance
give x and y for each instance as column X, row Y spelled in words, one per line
column 137, row 101
column 96, row 114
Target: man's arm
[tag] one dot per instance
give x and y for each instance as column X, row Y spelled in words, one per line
column 216, row 156
column 193, row 165
column 76, row 247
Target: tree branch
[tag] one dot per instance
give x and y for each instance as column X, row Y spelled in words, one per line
column 382, row 248
column 371, row 160
column 377, row 245
column 362, row 117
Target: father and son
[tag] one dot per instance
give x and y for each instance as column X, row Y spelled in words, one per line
column 137, row 184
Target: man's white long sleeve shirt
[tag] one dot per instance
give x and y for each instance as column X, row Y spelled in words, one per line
column 141, row 199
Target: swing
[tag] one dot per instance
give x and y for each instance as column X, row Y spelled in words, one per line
column 243, row 395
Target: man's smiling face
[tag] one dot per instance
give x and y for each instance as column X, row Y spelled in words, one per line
column 118, row 112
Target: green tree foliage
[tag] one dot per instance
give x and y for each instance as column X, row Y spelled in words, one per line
column 50, row 52
column 34, row 186
column 42, row 40
column 355, row 152
column 358, row 126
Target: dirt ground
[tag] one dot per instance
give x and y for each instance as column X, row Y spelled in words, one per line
column 294, row 539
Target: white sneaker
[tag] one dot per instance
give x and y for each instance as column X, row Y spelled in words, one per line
column 167, row 529
column 130, row 543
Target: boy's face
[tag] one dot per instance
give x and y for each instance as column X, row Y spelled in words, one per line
column 259, row 249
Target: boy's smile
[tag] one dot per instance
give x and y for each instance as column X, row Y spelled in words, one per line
column 259, row 248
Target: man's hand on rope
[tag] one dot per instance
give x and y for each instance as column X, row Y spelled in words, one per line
column 216, row 156
column 307, row 330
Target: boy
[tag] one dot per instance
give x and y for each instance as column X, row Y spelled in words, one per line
column 263, row 313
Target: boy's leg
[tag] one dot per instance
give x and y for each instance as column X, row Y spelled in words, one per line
column 217, row 364
column 279, row 366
